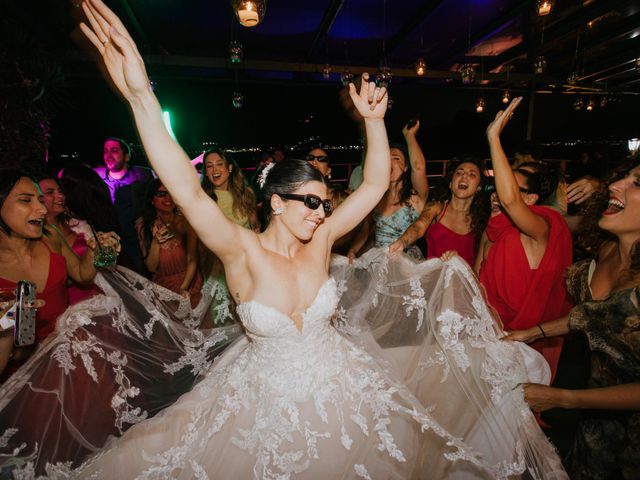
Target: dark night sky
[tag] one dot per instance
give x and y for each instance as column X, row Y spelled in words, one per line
column 274, row 114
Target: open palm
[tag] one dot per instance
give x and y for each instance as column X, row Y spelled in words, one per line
column 118, row 50
column 502, row 118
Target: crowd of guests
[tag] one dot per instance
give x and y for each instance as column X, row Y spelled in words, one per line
column 520, row 229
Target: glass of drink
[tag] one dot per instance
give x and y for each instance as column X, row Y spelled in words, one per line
column 104, row 257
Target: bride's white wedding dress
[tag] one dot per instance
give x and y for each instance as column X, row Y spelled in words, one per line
column 329, row 401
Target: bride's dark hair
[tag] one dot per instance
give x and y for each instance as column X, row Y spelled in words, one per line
column 286, row 177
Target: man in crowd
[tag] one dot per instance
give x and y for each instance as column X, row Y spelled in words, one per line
column 124, row 181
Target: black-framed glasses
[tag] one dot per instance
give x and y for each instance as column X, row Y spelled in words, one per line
column 161, row 194
column 318, row 158
column 310, row 201
column 523, row 189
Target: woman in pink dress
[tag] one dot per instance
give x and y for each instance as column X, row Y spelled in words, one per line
column 168, row 244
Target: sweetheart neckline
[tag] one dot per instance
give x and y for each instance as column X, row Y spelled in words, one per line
column 305, row 311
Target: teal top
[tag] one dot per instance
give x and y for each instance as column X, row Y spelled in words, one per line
column 389, row 228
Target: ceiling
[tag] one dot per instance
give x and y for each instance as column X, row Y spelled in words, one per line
column 597, row 39
column 185, row 44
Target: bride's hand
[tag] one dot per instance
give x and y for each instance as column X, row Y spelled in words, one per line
column 117, row 48
column 371, row 101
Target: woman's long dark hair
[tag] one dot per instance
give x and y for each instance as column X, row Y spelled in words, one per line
column 590, row 236
column 87, row 198
column 480, row 209
column 407, row 190
column 543, row 181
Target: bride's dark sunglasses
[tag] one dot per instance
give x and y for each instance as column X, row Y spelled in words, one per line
column 310, row 201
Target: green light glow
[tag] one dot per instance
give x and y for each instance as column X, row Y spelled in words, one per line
column 166, row 117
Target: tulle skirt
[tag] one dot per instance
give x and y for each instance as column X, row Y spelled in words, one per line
column 115, row 360
column 407, row 379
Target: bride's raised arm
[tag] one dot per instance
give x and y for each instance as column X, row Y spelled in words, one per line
column 171, row 163
column 371, row 103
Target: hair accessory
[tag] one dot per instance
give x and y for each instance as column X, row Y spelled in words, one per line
column 278, row 211
column 262, row 178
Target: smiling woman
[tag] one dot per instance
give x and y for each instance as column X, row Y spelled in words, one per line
column 606, row 291
column 168, row 244
column 29, row 250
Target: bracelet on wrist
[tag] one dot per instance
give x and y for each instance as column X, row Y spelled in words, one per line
column 544, row 335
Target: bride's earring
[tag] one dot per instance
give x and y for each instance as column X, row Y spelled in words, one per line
column 278, row 211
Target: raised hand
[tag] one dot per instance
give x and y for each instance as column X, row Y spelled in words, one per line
column 118, row 50
column 411, row 130
column 502, row 118
column 371, row 101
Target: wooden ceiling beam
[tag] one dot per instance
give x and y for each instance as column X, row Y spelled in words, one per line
column 330, row 15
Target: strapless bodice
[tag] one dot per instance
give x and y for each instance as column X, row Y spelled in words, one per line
column 264, row 322
column 291, row 360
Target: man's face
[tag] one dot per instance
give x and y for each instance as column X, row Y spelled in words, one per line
column 115, row 159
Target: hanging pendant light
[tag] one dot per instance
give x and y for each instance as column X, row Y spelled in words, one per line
column 384, row 77
column 346, row 78
column 540, row 65
column 545, row 7
column 572, row 79
column 237, row 100
column 326, row 71
column 468, row 74
column 480, row 104
column 421, row 67
column 236, row 52
column 633, row 145
column 578, row 104
column 506, row 96
column 591, row 104
column 603, row 101
column 249, row 12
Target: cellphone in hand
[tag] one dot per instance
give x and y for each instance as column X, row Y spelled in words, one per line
column 412, row 122
column 25, row 330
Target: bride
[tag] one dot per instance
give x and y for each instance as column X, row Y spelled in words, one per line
column 308, row 392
